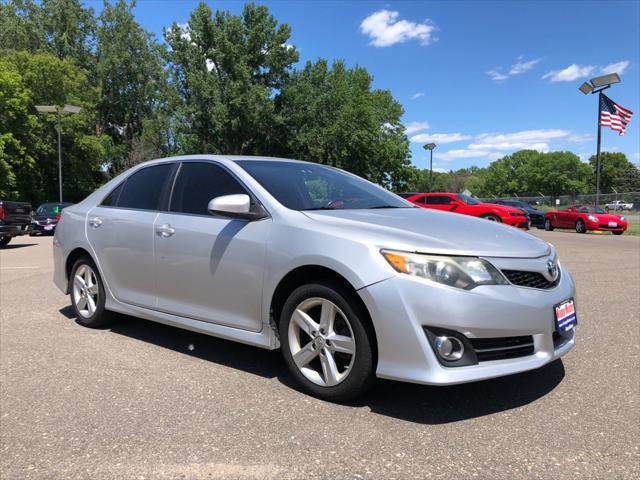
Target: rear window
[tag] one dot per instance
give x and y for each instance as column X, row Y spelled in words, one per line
column 142, row 190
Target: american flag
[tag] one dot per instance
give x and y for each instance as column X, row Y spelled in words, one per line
column 613, row 115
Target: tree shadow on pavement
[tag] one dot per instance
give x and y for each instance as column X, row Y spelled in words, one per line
column 410, row 402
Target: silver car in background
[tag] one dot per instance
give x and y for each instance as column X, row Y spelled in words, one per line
column 349, row 280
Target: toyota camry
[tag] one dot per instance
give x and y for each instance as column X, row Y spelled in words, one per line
column 350, row 281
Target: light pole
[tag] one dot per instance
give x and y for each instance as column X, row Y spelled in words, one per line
column 597, row 85
column 71, row 109
column 430, row 147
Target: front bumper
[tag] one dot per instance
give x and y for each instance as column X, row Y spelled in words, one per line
column 604, row 227
column 402, row 306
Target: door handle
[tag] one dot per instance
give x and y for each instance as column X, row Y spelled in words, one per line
column 165, row 230
column 95, row 222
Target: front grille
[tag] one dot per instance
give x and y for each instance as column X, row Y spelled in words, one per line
column 529, row 279
column 502, row 348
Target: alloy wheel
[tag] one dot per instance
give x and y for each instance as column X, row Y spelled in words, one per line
column 85, row 291
column 321, row 342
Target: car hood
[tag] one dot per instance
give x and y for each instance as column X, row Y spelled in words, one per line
column 431, row 231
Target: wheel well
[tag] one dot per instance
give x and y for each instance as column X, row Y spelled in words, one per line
column 314, row 273
column 71, row 260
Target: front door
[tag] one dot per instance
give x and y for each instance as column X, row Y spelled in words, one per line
column 120, row 231
column 209, row 267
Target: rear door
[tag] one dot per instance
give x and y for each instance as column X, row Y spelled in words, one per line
column 209, row 267
column 120, row 231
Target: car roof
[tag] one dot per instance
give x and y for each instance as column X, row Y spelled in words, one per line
column 232, row 158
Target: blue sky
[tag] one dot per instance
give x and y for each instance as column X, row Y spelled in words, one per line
column 480, row 79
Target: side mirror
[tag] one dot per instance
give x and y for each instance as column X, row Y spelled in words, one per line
column 235, row 206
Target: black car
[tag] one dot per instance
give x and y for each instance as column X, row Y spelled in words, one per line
column 46, row 218
column 536, row 217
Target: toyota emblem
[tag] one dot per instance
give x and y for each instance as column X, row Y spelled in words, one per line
column 552, row 268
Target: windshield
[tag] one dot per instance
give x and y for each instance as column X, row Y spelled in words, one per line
column 589, row 209
column 468, row 200
column 305, row 186
column 49, row 209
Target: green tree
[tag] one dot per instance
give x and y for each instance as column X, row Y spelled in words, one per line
column 18, row 134
column 616, row 171
column 227, row 69
column 70, row 30
column 21, row 26
column 132, row 79
column 332, row 116
column 49, row 80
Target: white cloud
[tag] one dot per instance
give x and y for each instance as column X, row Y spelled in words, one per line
column 618, row 68
column 451, row 155
column 417, row 95
column 385, row 29
column 439, row 138
column 413, row 127
column 525, row 139
column 518, row 68
column 440, row 170
column 579, row 138
column 571, row 73
column 496, row 75
column 636, row 155
column 521, row 67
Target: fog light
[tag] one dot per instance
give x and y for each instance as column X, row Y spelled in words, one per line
column 449, row 348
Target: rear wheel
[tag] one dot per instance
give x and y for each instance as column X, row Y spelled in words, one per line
column 327, row 343
column 580, row 227
column 548, row 226
column 87, row 294
column 491, row 217
column 4, row 241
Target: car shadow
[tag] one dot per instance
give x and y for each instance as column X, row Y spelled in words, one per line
column 13, row 246
column 410, row 402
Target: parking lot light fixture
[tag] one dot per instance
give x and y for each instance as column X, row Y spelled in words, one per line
column 597, row 85
column 70, row 109
column 430, row 147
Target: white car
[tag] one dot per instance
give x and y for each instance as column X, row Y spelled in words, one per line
column 619, row 205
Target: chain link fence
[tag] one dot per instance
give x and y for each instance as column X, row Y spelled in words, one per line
column 620, row 202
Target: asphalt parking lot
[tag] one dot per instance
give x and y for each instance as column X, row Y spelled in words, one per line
column 143, row 400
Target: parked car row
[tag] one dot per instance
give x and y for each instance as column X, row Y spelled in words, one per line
column 18, row 218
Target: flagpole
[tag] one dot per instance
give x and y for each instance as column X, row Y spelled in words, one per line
column 598, row 151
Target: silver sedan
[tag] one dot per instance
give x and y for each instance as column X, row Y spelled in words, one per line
column 350, row 281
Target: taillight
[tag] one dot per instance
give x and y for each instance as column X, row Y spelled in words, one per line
column 1, row 213
column 57, row 217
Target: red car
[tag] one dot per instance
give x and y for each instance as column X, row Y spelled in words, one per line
column 466, row 205
column 583, row 218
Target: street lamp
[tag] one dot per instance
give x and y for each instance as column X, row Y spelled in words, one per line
column 430, row 147
column 71, row 109
column 597, row 85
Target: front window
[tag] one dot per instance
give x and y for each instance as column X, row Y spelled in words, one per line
column 305, row 186
column 589, row 209
column 468, row 200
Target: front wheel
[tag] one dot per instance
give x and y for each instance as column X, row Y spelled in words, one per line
column 327, row 342
column 88, row 295
column 580, row 227
column 617, row 233
column 492, row 218
column 4, row 241
column 548, row 226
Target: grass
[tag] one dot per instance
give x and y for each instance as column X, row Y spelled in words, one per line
column 633, row 229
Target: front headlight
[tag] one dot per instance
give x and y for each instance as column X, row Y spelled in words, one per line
column 459, row 272
column 622, row 219
column 591, row 218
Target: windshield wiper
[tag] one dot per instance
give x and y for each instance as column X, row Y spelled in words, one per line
column 384, row 206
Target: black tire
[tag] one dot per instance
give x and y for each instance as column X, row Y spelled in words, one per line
column 580, row 226
column 617, row 233
column 548, row 226
column 491, row 217
column 361, row 375
column 4, row 241
column 100, row 316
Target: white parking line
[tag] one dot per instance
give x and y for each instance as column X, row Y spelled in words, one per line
column 16, row 268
